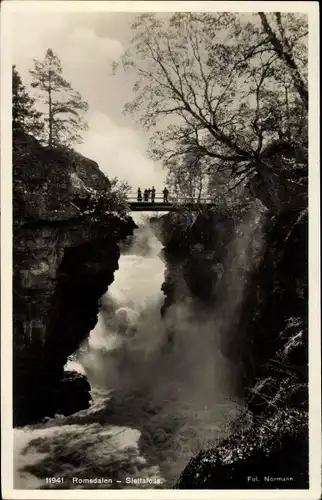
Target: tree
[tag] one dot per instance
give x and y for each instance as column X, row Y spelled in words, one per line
column 226, row 88
column 24, row 115
column 188, row 177
column 284, row 50
column 64, row 115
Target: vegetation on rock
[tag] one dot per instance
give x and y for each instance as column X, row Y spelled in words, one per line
column 64, row 107
column 55, row 115
column 24, row 114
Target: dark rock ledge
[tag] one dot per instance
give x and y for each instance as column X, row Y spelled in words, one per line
column 65, row 253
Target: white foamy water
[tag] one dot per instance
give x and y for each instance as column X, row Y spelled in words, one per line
column 152, row 410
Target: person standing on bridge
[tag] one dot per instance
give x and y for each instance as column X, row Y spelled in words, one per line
column 146, row 195
column 149, row 193
column 165, row 195
column 139, row 194
column 153, row 194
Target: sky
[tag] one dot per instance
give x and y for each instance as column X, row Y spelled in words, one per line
column 87, row 44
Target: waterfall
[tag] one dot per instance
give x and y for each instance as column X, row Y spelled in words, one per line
column 152, row 410
column 129, row 331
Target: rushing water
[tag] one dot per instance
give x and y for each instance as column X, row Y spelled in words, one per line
column 152, row 408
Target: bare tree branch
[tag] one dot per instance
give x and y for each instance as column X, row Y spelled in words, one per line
column 285, row 54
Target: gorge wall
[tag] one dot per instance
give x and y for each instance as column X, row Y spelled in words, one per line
column 266, row 336
column 65, row 252
column 247, row 273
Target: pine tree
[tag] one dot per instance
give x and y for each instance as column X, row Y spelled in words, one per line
column 64, row 115
column 24, row 115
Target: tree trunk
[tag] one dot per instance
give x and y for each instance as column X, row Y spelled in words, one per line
column 50, row 113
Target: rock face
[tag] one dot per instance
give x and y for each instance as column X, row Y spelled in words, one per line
column 272, row 348
column 194, row 253
column 65, row 241
column 267, row 339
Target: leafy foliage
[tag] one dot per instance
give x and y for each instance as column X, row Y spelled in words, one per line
column 118, row 196
column 223, row 89
column 64, row 115
column 24, row 115
column 275, row 440
column 113, row 199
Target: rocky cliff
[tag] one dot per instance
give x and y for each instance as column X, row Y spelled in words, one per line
column 270, row 344
column 66, row 230
column 194, row 254
column 262, row 297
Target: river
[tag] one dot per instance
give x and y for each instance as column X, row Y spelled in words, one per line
column 153, row 409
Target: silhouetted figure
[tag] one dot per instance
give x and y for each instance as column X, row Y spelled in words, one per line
column 149, row 193
column 139, row 194
column 165, row 195
column 152, row 194
column 146, row 195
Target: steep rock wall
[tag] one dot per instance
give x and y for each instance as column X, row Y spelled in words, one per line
column 194, row 252
column 271, row 345
column 267, row 338
column 65, row 253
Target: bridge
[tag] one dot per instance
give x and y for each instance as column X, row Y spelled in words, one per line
column 159, row 204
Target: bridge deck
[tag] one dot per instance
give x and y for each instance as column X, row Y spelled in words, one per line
column 148, row 206
column 159, row 205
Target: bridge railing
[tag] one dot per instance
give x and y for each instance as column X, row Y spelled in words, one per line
column 171, row 199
